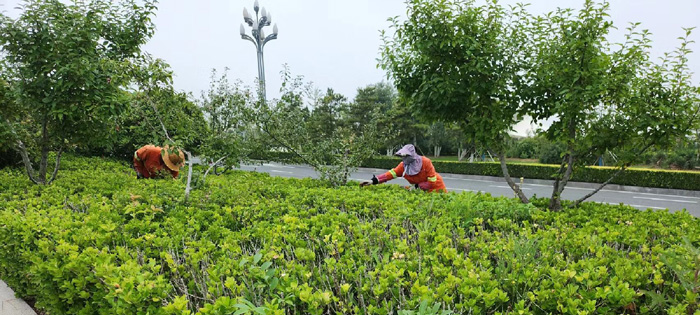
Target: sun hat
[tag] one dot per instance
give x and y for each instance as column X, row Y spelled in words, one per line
column 174, row 161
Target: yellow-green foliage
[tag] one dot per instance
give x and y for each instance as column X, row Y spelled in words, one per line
column 98, row 241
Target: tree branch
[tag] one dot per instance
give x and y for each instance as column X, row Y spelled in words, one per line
column 567, row 174
column 58, row 162
column 553, row 202
column 509, row 180
column 22, row 150
column 315, row 165
column 575, row 204
column 188, row 186
column 622, row 169
column 204, row 178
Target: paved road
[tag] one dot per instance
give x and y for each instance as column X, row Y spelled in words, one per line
column 458, row 183
column 9, row 305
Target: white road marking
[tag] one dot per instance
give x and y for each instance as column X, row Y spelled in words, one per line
column 284, row 172
column 460, row 189
column 471, row 180
column 645, row 207
column 276, row 165
column 579, row 188
column 537, row 185
column 509, row 187
column 651, row 194
column 662, row 199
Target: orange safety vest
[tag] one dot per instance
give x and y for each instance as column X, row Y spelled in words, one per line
column 149, row 162
column 427, row 179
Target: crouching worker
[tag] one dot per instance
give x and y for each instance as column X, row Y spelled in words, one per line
column 156, row 162
column 417, row 170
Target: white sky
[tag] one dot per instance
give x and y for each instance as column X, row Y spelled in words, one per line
column 335, row 43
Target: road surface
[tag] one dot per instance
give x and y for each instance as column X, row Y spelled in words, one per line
column 496, row 187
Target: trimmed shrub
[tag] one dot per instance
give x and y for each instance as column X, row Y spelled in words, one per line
column 98, row 241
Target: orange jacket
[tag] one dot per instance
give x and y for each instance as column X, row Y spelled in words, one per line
column 149, row 162
column 427, row 179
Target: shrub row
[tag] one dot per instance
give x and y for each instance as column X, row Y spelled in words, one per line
column 99, row 241
column 632, row 177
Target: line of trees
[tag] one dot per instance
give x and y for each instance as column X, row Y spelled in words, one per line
column 73, row 77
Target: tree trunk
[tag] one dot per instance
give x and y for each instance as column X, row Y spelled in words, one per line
column 567, row 174
column 561, row 180
column 554, row 202
column 509, row 180
column 43, row 165
column 389, row 151
column 462, row 154
column 567, row 167
column 22, row 150
column 58, row 163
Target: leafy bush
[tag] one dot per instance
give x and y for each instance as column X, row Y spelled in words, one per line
column 98, row 241
column 551, row 153
column 680, row 159
column 592, row 174
column 528, row 148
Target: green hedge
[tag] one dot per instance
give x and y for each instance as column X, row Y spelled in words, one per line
column 98, row 241
column 592, row 174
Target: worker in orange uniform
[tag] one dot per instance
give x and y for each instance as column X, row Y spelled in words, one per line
column 155, row 162
column 417, row 170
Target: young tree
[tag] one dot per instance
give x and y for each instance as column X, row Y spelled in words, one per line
column 333, row 150
column 228, row 108
column 462, row 63
column 65, row 66
column 601, row 97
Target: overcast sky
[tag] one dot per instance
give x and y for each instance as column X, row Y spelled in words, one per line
column 335, row 43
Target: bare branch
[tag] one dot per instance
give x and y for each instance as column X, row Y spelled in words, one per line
column 575, row 204
column 58, row 162
column 204, row 178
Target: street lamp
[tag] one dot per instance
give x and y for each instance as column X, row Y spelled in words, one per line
column 258, row 38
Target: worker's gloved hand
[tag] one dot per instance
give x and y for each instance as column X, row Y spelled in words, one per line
column 374, row 181
column 423, row 185
column 138, row 175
